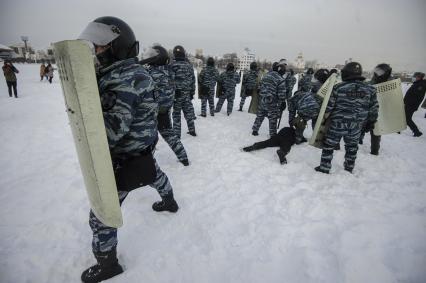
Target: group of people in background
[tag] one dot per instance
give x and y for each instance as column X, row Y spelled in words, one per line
column 10, row 71
column 46, row 72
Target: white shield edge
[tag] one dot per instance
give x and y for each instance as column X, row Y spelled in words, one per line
column 79, row 87
column 320, row 128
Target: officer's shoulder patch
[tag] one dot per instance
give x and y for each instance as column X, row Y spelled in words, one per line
column 108, row 100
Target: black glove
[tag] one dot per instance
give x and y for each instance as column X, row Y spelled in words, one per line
column 248, row 92
column 369, row 126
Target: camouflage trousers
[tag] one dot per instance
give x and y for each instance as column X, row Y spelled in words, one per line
column 375, row 141
column 210, row 99
column 229, row 96
column 269, row 109
column 350, row 132
column 105, row 237
column 183, row 104
column 167, row 132
column 243, row 100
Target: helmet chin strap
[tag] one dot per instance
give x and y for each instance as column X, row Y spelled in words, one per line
column 106, row 57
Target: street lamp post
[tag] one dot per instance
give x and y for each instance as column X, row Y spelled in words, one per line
column 25, row 40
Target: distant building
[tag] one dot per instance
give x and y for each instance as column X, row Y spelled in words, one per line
column 299, row 63
column 20, row 51
column 6, row 52
column 246, row 59
column 199, row 53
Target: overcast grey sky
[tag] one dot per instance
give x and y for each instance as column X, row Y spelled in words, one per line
column 330, row 31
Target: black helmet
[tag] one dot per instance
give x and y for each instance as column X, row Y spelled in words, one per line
column 333, row 71
column 322, row 75
column 381, row 73
column 352, row 71
column 275, row 66
column 419, row 75
column 282, row 64
column 310, row 71
column 179, row 52
column 156, row 56
column 230, row 67
column 253, row 66
column 115, row 33
column 210, row 62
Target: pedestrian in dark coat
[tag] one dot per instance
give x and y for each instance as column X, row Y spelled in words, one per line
column 10, row 72
column 412, row 100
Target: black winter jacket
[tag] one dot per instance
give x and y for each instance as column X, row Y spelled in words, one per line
column 415, row 95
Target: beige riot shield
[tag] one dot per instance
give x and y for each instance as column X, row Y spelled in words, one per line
column 322, row 124
column 391, row 117
column 78, row 80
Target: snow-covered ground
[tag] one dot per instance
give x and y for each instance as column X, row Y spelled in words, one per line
column 243, row 217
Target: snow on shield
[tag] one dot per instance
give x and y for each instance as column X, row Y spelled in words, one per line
column 391, row 108
column 80, row 90
column 322, row 124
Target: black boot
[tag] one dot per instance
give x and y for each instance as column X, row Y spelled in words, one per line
column 167, row 204
column 281, row 156
column 185, row 162
column 417, row 134
column 319, row 169
column 255, row 133
column 241, row 109
column 203, row 115
column 106, row 267
column 192, row 133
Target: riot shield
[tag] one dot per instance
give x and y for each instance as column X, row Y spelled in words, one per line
column 79, row 87
column 322, row 124
column 391, row 117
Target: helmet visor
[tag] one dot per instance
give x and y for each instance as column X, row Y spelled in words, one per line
column 379, row 72
column 99, row 34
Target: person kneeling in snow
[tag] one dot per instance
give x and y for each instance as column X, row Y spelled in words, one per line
column 305, row 105
column 285, row 138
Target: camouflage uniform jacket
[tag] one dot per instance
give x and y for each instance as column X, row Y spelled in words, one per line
column 250, row 80
column 229, row 79
column 305, row 104
column 316, row 86
column 208, row 77
column 273, row 87
column 353, row 101
column 164, row 85
column 305, row 82
column 184, row 77
column 129, row 107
